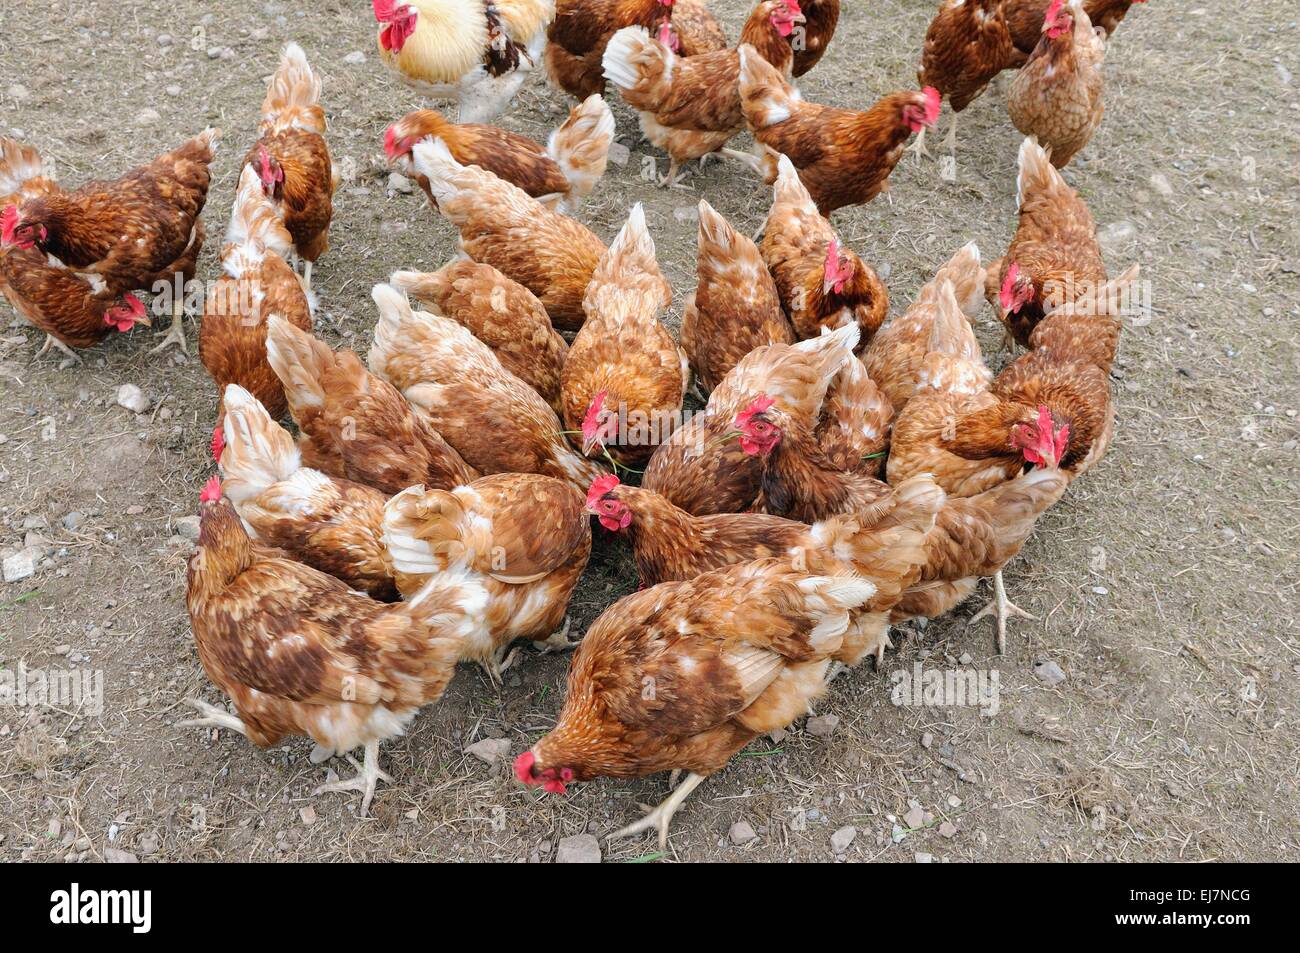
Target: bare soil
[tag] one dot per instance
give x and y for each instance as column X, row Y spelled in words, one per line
column 1164, row 584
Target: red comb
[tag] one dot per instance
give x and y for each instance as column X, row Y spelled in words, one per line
column 218, row 442
column 1006, row 297
column 599, row 487
column 133, row 304
column 385, row 10
column 592, row 419
column 758, row 405
column 933, row 102
column 8, row 223
column 211, row 491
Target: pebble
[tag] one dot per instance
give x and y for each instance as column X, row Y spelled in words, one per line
column 165, row 39
column 148, row 845
column 1161, row 184
column 72, row 521
column 489, row 750
column 619, row 153
column 954, row 800
column 147, row 117
column 742, row 833
column 18, row 92
column 113, row 855
column 18, row 566
column 966, row 658
column 186, row 527
column 578, row 849
column 400, row 183
column 173, row 90
column 1049, row 672
column 842, row 838
column 823, row 726
column 308, row 815
column 62, row 649
column 915, row 817
column 927, row 740
column 355, row 58
column 948, row 829
column 924, row 858
column 133, row 399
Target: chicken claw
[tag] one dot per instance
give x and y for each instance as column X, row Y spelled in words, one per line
column 176, row 333
column 918, row 149
column 213, row 717
column 673, row 180
column 368, row 775
column 52, row 342
column 1001, row 608
column 558, row 641
column 662, row 815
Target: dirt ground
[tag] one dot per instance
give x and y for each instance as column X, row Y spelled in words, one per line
column 1164, row 584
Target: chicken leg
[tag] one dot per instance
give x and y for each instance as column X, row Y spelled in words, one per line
column 176, row 333
column 213, row 717
column 673, row 180
column 1001, row 608
column 917, row 148
column 306, row 276
column 662, row 815
column 368, row 776
column 950, row 141
column 52, row 342
column 558, row 641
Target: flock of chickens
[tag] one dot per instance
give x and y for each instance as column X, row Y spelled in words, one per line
column 847, row 473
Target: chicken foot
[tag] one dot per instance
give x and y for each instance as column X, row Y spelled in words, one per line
column 673, row 180
column 917, row 148
column 1001, row 608
column 368, row 776
column 662, row 815
column 176, row 333
column 558, row 641
column 52, row 342
column 213, row 717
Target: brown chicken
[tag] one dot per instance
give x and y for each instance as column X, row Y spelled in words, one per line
column 821, row 283
column 1056, row 95
column 1025, row 18
column 844, row 157
column 355, row 425
column 894, row 357
column 821, row 17
column 292, row 160
column 505, row 316
column 501, row 225
column 495, row 421
column 560, row 174
column 853, row 432
column 300, row 653
column 967, row 44
column 141, row 231
column 581, row 29
column 256, row 282
column 330, row 524
column 625, row 377
column 701, row 468
column 885, row 542
column 684, row 675
column 735, row 307
column 690, row 106
column 1054, row 256
column 521, row 539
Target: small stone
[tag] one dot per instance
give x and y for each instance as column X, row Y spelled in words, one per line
column 18, row 92
column 1049, row 672
column 927, row 740
column 165, row 39
column 915, row 817
column 147, row 117
column 62, row 649
column 133, row 399
column 489, row 750
column 148, row 844
column 923, row 858
column 842, row 838
column 619, row 153
column 399, row 183
column 55, row 828
column 134, row 510
column 72, row 521
column 578, row 849
column 823, row 726
column 308, row 815
column 173, row 90
column 742, row 833
column 948, row 829
column 966, row 658
column 214, row 52
column 1161, row 184
column 19, row 566
column 186, row 527
column 113, row 855
column 355, row 58
column 954, row 801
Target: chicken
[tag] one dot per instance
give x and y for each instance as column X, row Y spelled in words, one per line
column 256, row 282
column 581, row 29
column 822, row 17
column 522, row 539
column 332, row 525
column 885, row 542
column 735, row 307
column 1054, row 256
column 701, row 469
column 495, row 421
column 1025, row 18
column 624, row 379
column 477, row 52
column 684, row 675
column 300, row 653
column 55, row 299
column 967, row 44
column 560, row 175
column 853, row 430
column 501, row 225
column 355, row 425
column 140, row 231
column 1056, row 95
column 292, row 160
column 505, row 316
column 844, row 157
column 893, row 358
column 690, row 106
column 822, row 284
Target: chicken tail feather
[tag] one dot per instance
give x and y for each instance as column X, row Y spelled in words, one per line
column 18, row 164
column 293, row 95
column 258, row 451
column 766, row 98
column 580, row 147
